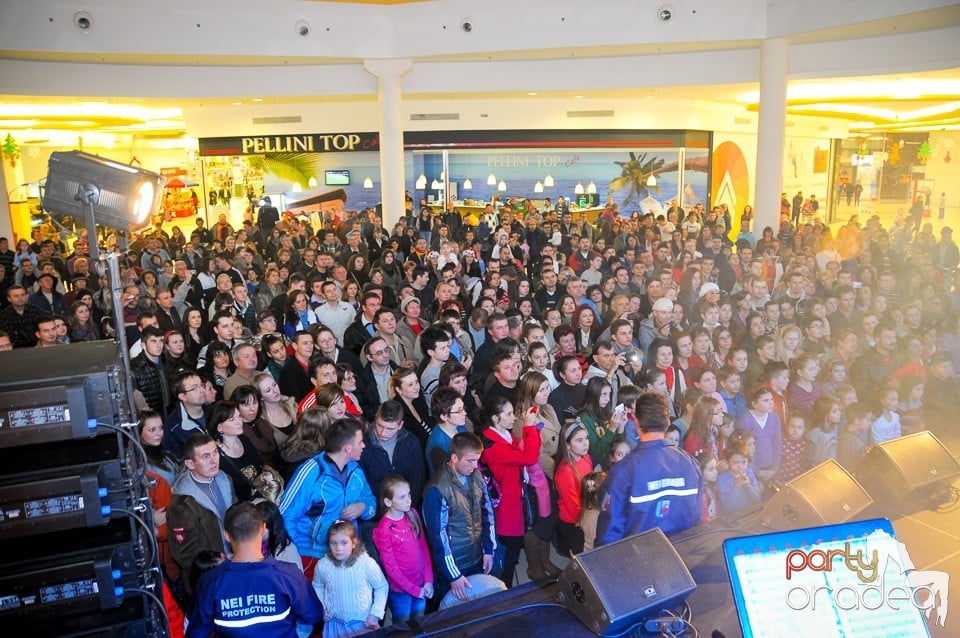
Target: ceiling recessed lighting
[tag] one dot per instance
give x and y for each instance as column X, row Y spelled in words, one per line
column 237, row 103
column 577, row 97
column 258, row 99
column 532, row 93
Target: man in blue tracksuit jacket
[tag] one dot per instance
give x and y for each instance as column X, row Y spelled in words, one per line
column 656, row 485
column 327, row 488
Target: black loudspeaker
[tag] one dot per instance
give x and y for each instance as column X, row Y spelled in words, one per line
column 912, row 467
column 615, row 586
column 824, row 495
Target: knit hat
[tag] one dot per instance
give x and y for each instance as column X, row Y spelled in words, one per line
column 663, row 305
column 406, row 302
column 707, row 288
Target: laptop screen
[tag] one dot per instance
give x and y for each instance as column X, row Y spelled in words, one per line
column 852, row 580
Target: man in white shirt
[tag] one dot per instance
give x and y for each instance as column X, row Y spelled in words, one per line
column 335, row 313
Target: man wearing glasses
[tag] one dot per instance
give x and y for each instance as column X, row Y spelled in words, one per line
column 187, row 416
column 373, row 379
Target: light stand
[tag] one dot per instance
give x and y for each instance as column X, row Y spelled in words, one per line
column 114, row 195
column 88, row 194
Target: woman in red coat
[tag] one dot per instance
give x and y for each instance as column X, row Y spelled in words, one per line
column 505, row 456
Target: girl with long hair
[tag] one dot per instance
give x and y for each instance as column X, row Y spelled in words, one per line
column 194, row 334
column 239, row 459
column 587, row 327
column 506, row 457
column 703, row 436
column 255, row 427
column 404, row 386
column 532, row 398
column 279, row 411
column 306, row 439
column 81, row 324
column 297, row 313
column 602, row 423
column 573, row 463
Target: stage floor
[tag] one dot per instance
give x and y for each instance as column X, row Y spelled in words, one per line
column 530, row 611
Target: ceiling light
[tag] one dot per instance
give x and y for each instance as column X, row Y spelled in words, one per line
column 367, row 182
column 436, row 185
column 502, row 186
column 312, row 182
column 467, row 184
column 548, row 181
column 421, row 182
column 237, row 103
column 578, row 189
column 296, row 188
column 531, row 93
column 591, row 188
column 652, row 181
column 491, row 180
column 258, row 99
column 538, row 187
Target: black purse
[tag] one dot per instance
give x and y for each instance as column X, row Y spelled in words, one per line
column 531, row 504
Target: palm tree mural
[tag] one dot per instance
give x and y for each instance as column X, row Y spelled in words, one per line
column 287, row 167
column 634, row 177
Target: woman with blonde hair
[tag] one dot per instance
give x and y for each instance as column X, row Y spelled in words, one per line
column 532, row 398
column 279, row 411
column 788, row 343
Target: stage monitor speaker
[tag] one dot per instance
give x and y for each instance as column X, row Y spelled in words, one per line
column 912, row 467
column 612, row 587
column 823, row 495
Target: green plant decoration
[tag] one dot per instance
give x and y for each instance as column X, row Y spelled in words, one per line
column 923, row 153
column 634, row 177
column 11, row 150
column 287, row 167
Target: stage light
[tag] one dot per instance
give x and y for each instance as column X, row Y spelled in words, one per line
column 118, row 195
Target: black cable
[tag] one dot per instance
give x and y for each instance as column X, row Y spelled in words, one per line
column 154, row 549
column 165, row 630
column 142, row 474
column 499, row 614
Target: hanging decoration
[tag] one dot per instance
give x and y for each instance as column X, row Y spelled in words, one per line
column 923, row 153
column 11, row 150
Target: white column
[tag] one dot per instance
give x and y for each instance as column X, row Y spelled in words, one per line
column 771, row 132
column 389, row 98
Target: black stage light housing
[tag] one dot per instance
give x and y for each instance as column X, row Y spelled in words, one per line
column 121, row 196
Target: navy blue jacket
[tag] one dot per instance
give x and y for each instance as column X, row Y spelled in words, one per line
column 408, row 462
column 261, row 600
column 656, row 485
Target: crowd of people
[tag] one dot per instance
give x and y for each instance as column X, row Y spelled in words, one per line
column 409, row 410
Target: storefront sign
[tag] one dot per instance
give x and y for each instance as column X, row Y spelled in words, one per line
column 315, row 143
